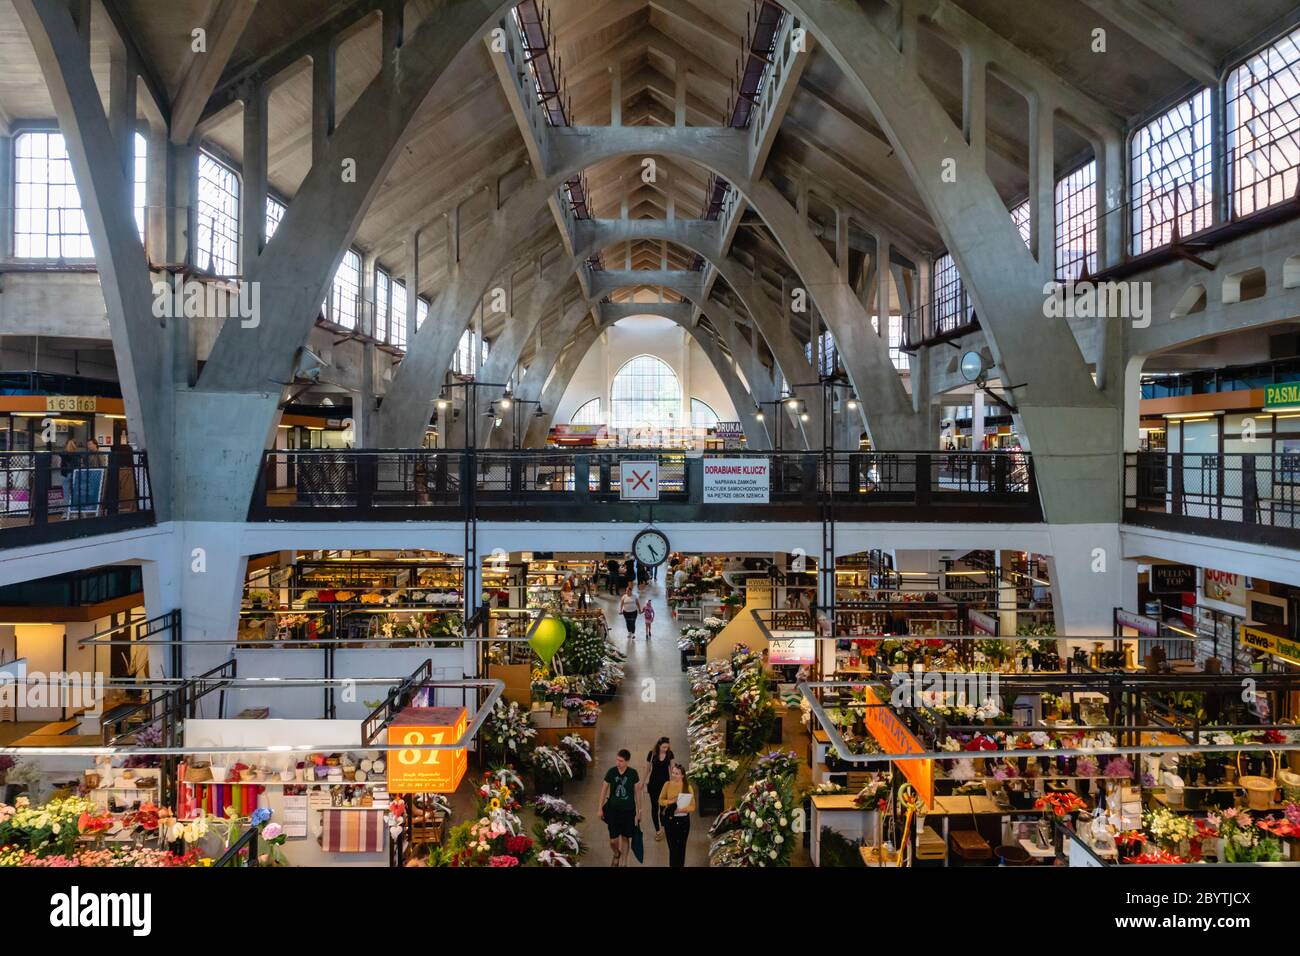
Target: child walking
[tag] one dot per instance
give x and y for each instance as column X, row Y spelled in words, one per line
column 648, row 612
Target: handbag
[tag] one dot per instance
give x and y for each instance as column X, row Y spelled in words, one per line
column 638, row 844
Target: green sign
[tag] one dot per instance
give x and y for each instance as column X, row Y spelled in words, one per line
column 1276, row 396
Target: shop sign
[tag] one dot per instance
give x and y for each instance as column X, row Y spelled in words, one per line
column 1284, row 394
column 728, row 430
column 894, row 738
column 427, row 771
column 734, row 480
column 1172, row 578
column 797, row 651
column 71, row 403
column 1284, row 647
column 638, row 481
column 1145, row 626
column 1225, row 587
column 981, row 622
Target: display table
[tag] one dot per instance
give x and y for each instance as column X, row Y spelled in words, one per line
column 818, row 747
column 551, row 736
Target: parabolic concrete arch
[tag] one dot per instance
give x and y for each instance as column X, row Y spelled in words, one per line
column 680, row 313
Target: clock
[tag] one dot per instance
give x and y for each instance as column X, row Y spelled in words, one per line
column 650, row 547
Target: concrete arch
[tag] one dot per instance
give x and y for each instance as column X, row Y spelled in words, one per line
column 755, row 437
column 724, row 151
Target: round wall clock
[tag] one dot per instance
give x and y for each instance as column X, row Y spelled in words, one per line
column 650, row 547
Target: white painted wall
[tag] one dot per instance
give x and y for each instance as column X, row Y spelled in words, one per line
column 646, row 335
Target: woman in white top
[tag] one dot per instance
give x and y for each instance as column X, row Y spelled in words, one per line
column 627, row 606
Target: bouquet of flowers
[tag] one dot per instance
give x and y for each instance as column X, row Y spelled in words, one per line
column 49, row 829
column 776, row 763
column 765, row 836
column 551, row 763
column 1167, row 827
column 874, row 795
column 553, row 809
column 1061, row 804
column 498, row 789
column 559, row 840
column 509, row 729
column 712, row 770
column 1244, row 841
column 576, row 748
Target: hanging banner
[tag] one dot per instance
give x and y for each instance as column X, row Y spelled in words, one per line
column 1283, row 647
column 1225, row 587
column 736, row 480
column 894, row 738
column 1172, row 578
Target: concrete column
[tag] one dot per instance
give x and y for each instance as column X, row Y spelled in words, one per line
column 1042, row 185
column 882, row 286
column 1089, row 579
column 6, row 177
column 679, row 96
column 1219, row 150
column 156, row 211
column 322, row 98
column 842, row 243
column 366, row 313
column 1112, row 186
column 977, row 421
column 672, row 208
column 122, row 104
column 616, row 95
column 974, row 105
column 254, row 186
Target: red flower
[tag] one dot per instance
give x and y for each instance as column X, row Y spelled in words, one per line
column 518, row 845
column 503, row 861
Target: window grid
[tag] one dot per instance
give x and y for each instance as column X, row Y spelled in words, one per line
column 383, row 284
column 397, row 320
column 1076, row 223
column 1171, row 173
column 900, row 358
column 462, row 362
column 1020, row 218
column 48, row 221
column 645, row 394
column 1263, row 120
column 952, row 308
column 703, row 415
column 274, row 213
column 587, row 414
column 217, row 218
column 346, row 290
column 827, row 357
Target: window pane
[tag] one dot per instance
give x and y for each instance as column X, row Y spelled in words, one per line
column 952, row 308
column 48, row 223
column 588, row 414
column 141, row 169
column 645, row 394
column 1263, row 100
column 1020, row 219
column 1171, row 174
column 274, row 213
column 421, row 313
column 397, row 319
column 382, row 283
column 703, row 415
column 217, row 218
column 1076, row 223
column 346, row 290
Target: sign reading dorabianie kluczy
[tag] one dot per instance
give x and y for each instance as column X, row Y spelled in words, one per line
column 736, row 480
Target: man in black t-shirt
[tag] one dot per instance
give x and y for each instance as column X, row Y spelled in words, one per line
column 620, row 806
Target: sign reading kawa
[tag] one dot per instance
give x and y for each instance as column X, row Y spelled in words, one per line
column 736, row 480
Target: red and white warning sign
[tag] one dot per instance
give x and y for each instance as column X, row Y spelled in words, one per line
column 638, row 481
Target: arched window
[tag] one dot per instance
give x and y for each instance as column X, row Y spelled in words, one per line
column 587, row 414
column 645, row 394
column 702, row 415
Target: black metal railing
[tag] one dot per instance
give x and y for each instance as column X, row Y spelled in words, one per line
column 1247, row 497
column 568, row 484
column 48, row 496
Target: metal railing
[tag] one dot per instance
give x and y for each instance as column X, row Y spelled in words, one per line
column 1251, row 497
column 567, row 484
column 49, row 496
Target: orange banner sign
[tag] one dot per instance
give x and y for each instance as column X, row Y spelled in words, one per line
column 427, row 771
column 894, row 738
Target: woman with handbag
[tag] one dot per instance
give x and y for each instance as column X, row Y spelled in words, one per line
column 676, row 803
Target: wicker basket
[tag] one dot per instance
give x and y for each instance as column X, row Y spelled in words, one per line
column 1259, row 791
column 1290, row 783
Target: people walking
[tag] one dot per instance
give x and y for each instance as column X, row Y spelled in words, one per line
column 676, row 803
column 611, row 571
column 648, row 612
column 627, row 606
column 657, row 763
column 620, row 806
column 67, row 465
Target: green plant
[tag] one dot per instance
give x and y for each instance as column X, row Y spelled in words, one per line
column 837, row 850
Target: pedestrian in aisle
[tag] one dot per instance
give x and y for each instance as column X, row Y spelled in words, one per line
column 611, row 571
column 620, row 806
column 648, row 612
column 676, row 804
column 657, row 763
column 67, row 465
column 627, row 606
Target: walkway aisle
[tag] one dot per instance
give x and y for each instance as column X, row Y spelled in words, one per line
column 650, row 704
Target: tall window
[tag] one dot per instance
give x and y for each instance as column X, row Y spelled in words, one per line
column 274, row 213
column 826, row 357
column 462, row 363
column 1171, row 174
column 346, row 290
column 587, row 414
column 1076, row 223
column 1263, row 97
column 1020, row 218
column 952, row 308
column 896, row 353
column 48, row 221
column 217, row 218
column 703, row 415
column 421, row 312
column 645, row 394
column 397, row 316
column 383, row 292
column 140, row 176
